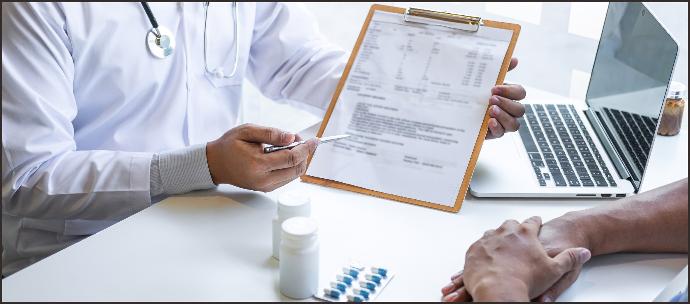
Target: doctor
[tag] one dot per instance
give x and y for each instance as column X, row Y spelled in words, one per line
column 107, row 107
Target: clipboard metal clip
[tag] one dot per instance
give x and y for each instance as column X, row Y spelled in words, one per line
column 455, row 21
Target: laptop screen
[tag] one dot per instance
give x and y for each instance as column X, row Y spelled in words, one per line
column 627, row 89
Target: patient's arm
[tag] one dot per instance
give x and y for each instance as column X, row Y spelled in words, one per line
column 654, row 221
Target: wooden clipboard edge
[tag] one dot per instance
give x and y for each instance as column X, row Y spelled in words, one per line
column 475, row 151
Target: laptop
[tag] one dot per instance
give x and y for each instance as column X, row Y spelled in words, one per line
column 600, row 150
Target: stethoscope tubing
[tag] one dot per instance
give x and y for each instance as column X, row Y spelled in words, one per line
column 217, row 71
column 236, row 42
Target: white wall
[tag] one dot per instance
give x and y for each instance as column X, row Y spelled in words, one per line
column 556, row 48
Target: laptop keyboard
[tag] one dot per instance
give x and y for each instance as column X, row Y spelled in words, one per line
column 636, row 132
column 561, row 150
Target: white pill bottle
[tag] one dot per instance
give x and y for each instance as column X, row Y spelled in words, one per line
column 290, row 204
column 299, row 258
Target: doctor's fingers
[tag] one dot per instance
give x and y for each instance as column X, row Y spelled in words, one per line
column 495, row 129
column 264, row 135
column 289, row 158
column 279, row 184
column 513, row 108
column 510, row 91
column 507, row 121
column 513, row 63
column 278, row 178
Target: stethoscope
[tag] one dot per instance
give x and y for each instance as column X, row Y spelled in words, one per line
column 161, row 42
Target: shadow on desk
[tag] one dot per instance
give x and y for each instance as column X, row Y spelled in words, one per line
column 243, row 207
column 245, row 198
column 600, row 278
column 215, row 224
column 632, row 258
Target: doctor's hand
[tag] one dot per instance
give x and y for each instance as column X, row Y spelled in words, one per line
column 504, row 110
column 237, row 158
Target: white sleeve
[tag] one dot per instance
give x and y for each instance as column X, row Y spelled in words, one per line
column 290, row 61
column 43, row 175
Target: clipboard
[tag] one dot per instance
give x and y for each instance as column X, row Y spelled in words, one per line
column 460, row 22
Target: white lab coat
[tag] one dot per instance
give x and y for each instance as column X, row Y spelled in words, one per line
column 85, row 105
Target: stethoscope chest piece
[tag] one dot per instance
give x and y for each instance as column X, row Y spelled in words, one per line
column 160, row 42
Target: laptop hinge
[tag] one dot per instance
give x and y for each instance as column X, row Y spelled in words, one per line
column 606, row 142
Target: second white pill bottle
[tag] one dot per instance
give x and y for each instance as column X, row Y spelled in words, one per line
column 290, row 204
column 299, row 258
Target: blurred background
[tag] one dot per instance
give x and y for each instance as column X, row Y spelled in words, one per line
column 556, row 47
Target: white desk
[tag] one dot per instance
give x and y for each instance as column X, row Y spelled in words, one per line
column 216, row 246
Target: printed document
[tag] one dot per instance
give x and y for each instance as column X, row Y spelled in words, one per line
column 413, row 103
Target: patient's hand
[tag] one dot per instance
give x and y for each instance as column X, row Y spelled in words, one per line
column 556, row 236
column 509, row 264
column 504, row 109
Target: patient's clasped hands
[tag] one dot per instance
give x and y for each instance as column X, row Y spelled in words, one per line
column 510, row 263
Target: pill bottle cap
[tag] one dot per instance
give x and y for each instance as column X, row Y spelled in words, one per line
column 293, row 204
column 676, row 90
column 299, row 230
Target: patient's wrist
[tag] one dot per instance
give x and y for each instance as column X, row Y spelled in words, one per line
column 583, row 229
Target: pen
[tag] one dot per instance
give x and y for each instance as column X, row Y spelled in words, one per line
column 270, row 149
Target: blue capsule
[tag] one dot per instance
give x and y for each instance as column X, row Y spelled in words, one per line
column 358, row 267
column 351, row 271
column 345, row 279
column 368, row 285
column 339, row 286
column 373, row 277
column 333, row 293
column 362, row 292
column 380, row 271
column 355, row 298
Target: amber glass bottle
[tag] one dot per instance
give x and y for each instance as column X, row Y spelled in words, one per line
column 673, row 111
